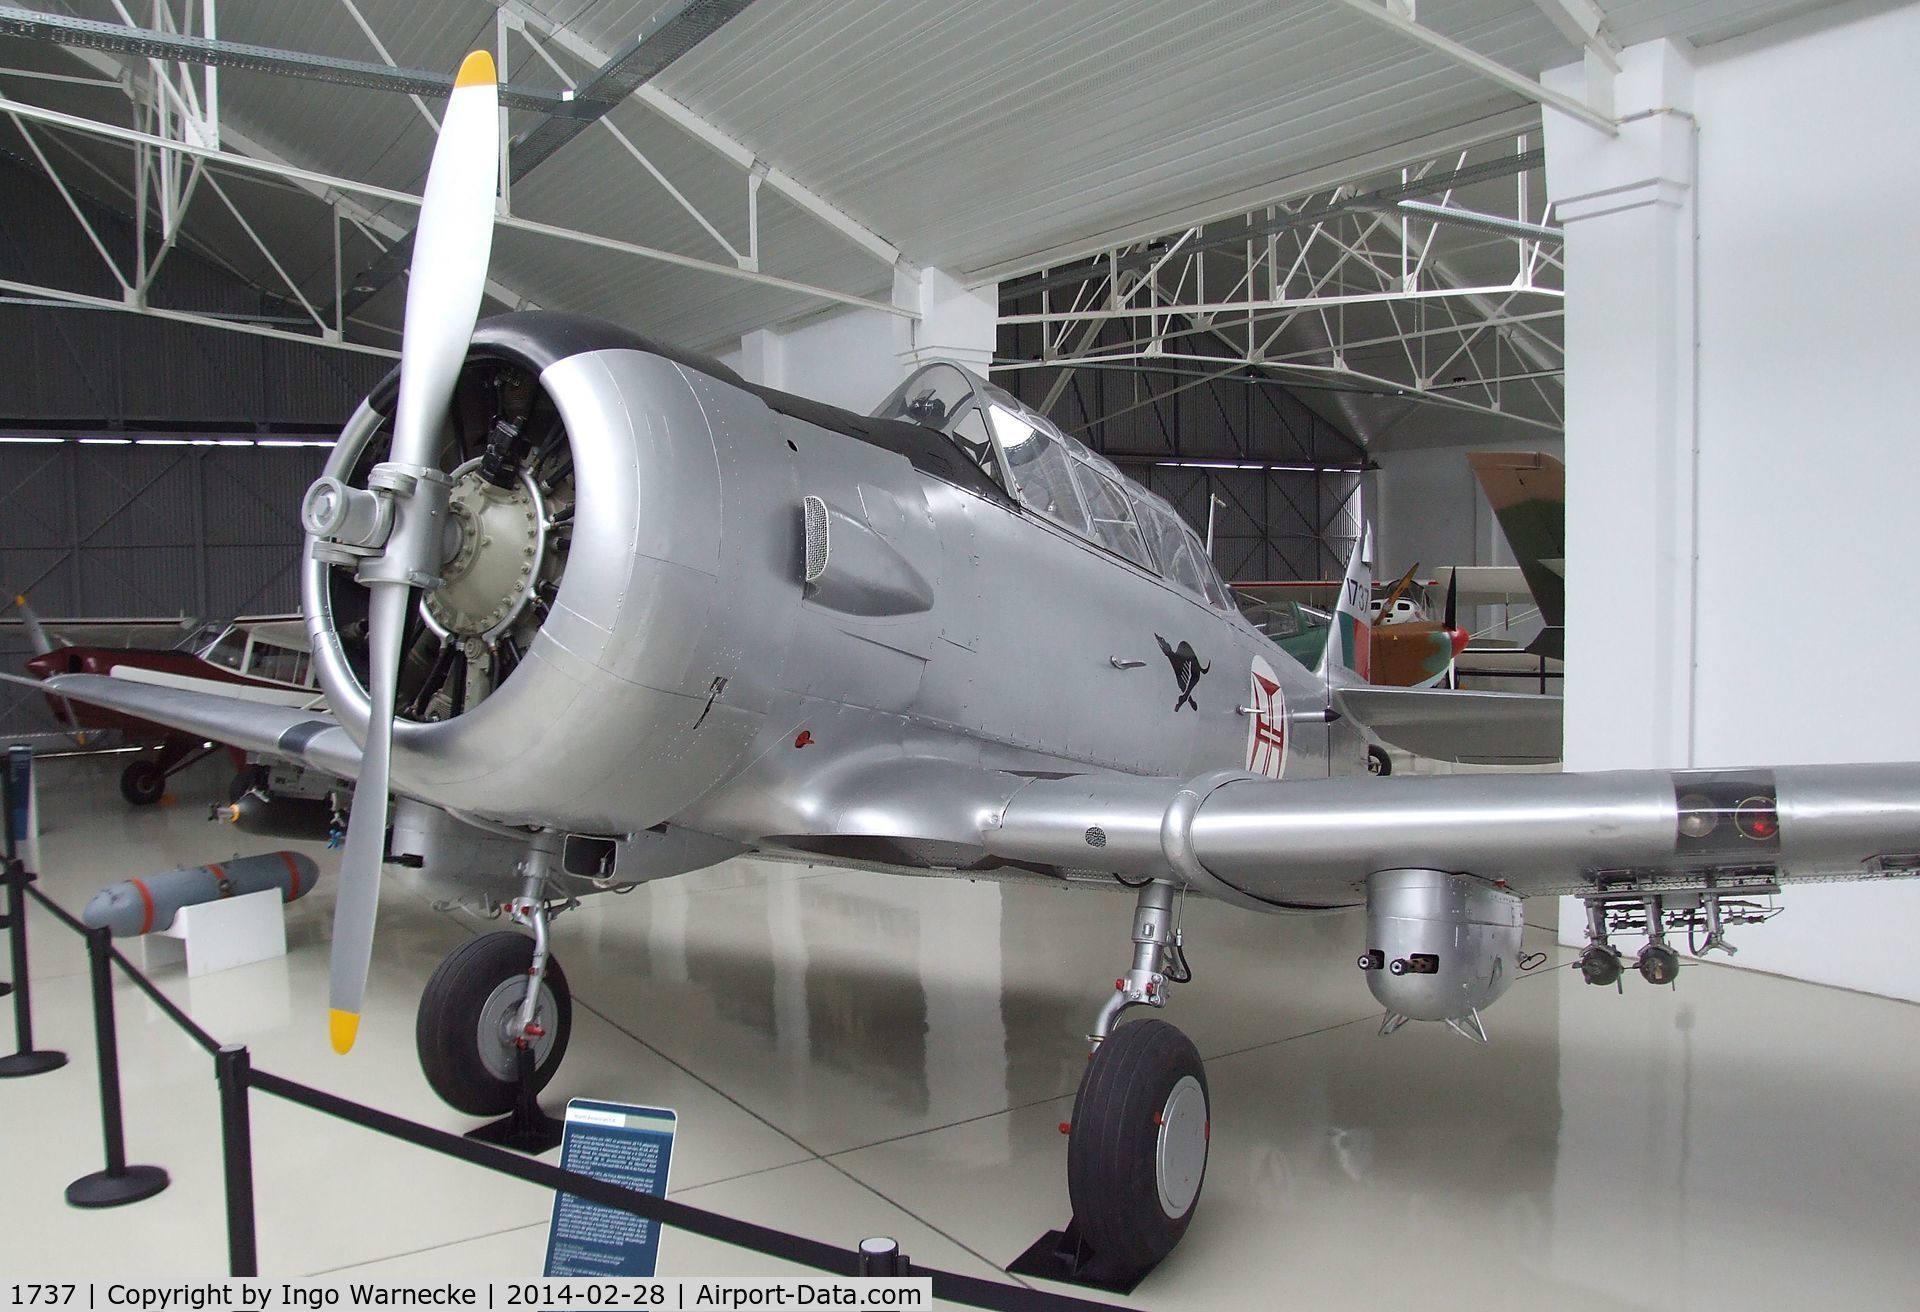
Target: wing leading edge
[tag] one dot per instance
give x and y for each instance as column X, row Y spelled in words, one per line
column 1295, row 845
column 285, row 732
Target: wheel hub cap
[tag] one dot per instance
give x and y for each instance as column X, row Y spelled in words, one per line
column 1180, row 1153
column 500, row 1024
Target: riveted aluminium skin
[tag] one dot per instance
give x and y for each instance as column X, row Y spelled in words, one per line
column 687, row 566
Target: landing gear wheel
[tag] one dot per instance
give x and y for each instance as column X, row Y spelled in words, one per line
column 1378, row 762
column 1658, row 963
column 1601, row 965
column 1138, row 1150
column 466, row 1020
column 143, row 783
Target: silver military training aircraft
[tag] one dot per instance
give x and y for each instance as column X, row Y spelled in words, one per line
column 595, row 611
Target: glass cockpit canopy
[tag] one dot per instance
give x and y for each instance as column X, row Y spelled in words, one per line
column 1054, row 475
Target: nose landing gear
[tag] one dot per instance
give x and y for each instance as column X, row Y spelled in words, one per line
column 495, row 1018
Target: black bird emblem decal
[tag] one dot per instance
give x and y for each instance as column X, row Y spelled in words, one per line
column 1187, row 670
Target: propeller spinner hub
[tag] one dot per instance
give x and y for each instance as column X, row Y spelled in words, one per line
column 498, row 540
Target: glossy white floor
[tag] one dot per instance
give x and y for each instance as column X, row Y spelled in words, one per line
column 854, row 1055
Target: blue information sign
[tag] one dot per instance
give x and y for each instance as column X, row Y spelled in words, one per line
column 628, row 1146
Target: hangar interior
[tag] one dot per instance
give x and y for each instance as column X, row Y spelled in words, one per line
column 1284, row 265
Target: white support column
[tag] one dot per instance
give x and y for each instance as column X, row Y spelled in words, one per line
column 853, row 357
column 1627, row 202
column 956, row 322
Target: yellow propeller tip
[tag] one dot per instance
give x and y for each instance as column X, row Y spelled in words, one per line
column 344, row 1027
column 475, row 69
column 19, row 598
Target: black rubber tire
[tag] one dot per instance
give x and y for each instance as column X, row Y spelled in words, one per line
column 449, row 1017
column 1111, row 1147
column 1379, row 764
column 143, row 783
column 246, row 779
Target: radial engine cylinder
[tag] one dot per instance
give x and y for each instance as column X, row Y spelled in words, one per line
column 1439, row 946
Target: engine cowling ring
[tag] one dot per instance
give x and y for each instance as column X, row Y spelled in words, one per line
column 607, row 722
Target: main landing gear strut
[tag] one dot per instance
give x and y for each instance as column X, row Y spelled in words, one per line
column 1137, row 1144
column 495, row 1018
column 144, row 781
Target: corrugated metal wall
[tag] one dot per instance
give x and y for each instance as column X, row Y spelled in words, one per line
column 146, row 529
column 108, row 369
column 206, row 532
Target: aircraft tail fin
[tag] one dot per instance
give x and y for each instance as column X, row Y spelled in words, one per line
column 1528, row 493
column 36, row 634
column 1349, row 637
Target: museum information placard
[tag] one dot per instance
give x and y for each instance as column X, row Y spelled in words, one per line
column 628, row 1146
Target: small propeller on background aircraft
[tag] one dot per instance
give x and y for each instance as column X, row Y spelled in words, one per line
column 1396, row 592
column 36, row 633
column 395, row 532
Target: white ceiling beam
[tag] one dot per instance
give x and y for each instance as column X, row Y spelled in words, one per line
column 61, row 296
column 703, row 130
column 1494, row 71
column 1583, row 23
column 314, row 184
column 1274, row 192
column 334, row 188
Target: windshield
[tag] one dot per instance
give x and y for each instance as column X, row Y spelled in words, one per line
column 228, row 649
column 1055, row 476
column 947, row 398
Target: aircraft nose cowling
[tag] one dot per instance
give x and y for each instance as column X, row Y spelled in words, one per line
column 603, row 640
column 1440, row 946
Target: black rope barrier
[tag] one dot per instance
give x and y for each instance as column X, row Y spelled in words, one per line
column 236, row 1078
column 726, row 1229
column 168, row 1007
column 132, row 972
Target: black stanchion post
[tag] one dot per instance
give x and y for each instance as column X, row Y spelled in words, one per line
column 24, row 1060
column 234, row 1069
column 118, row 1183
column 881, row 1256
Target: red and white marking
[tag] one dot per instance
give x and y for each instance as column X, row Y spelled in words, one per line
column 1267, row 726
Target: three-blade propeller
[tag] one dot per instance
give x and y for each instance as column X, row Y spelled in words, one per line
column 445, row 282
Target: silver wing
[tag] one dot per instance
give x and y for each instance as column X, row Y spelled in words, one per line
column 1295, row 844
column 1276, row 845
column 293, row 735
column 1482, row 728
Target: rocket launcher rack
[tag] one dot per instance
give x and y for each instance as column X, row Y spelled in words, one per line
column 237, row 1080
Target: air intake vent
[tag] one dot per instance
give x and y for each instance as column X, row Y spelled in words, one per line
column 816, row 515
